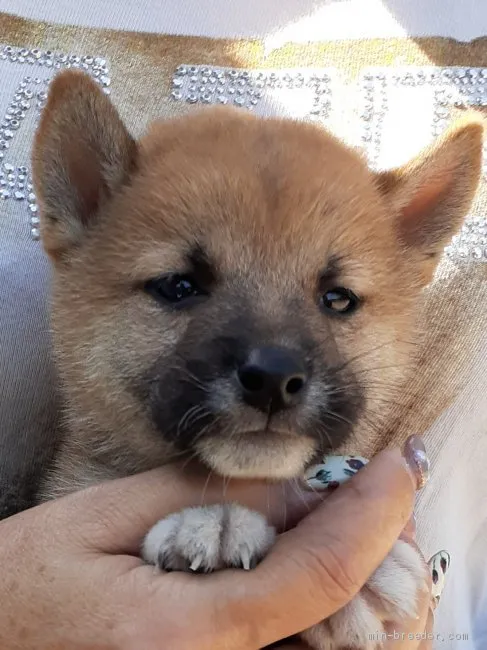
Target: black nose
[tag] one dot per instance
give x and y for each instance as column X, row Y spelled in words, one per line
column 272, row 378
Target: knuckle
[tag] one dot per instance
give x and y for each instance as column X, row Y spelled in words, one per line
column 332, row 573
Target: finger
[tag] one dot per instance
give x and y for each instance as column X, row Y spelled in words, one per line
column 114, row 517
column 320, row 565
column 427, row 642
column 290, row 646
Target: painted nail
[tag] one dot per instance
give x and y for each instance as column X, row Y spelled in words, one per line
column 438, row 566
column 333, row 471
column 415, row 454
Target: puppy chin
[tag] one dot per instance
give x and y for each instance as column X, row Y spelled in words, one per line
column 258, row 455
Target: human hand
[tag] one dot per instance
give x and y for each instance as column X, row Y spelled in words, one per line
column 72, row 578
column 415, row 633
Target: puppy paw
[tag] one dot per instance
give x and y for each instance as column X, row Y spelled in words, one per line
column 389, row 595
column 208, row 538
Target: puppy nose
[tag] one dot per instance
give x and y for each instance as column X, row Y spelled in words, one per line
column 272, row 379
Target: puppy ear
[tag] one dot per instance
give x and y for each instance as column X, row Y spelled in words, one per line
column 82, row 154
column 431, row 195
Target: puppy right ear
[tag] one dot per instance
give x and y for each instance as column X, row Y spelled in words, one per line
column 82, row 154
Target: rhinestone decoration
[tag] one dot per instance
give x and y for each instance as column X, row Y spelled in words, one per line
column 28, row 101
column 432, row 92
column 257, row 89
column 402, row 109
column 471, row 242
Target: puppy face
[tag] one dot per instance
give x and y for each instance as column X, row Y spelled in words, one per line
column 235, row 289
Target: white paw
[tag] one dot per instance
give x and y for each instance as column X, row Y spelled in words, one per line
column 208, row 539
column 389, row 595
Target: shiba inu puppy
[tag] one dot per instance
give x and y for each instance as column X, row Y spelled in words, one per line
column 241, row 291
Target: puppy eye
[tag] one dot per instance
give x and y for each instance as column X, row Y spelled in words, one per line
column 174, row 288
column 339, row 301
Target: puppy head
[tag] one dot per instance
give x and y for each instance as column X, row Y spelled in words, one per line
column 232, row 288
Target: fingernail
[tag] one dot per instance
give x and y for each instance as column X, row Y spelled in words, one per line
column 438, row 566
column 415, row 454
column 333, row 471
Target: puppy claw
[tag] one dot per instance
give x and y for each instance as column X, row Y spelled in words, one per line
column 208, row 539
column 197, row 562
column 245, row 557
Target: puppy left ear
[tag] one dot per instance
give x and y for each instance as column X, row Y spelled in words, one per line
column 432, row 194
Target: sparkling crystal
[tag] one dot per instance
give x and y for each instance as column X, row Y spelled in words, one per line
column 33, row 207
column 176, row 94
column 20, row 196
column 192, row 98
column 177, row 83
column 35, row 234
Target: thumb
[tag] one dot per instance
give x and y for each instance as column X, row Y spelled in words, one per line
column 318, row 567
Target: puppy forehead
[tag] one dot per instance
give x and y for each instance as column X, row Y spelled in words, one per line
column 255, row 188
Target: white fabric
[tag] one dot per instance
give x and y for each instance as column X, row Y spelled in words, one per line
column 288, row 20
column 451, row 514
